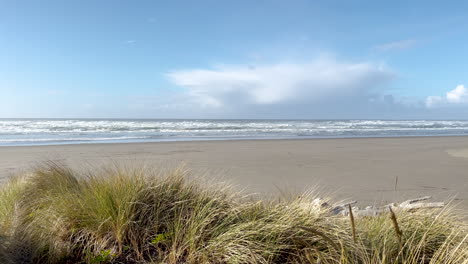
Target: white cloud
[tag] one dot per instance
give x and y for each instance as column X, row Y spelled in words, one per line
column 281, row 83
column 433, row 101
column 130, row 41
column 457, row 96
column 396, row 45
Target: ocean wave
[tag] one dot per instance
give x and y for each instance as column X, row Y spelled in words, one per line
column 78, row 130
column 19, row 140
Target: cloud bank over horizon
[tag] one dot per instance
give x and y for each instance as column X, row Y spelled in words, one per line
column 316, row 82
column 319, row 88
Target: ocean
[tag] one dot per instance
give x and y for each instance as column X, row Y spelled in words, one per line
column 19, row 132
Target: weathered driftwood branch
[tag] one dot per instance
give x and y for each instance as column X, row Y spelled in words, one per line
column 409, row 205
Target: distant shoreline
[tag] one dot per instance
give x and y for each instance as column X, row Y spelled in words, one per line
column 222, row 140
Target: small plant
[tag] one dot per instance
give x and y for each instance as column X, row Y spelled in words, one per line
column 103, row 257
column 161, row 238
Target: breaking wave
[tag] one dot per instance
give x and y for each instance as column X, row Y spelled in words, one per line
column 55, row 131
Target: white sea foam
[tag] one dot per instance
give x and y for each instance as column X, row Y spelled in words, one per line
column 16, row 131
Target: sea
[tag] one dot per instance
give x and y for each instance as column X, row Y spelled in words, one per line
column 26, row 132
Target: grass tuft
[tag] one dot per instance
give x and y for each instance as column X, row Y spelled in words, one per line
column 142, row 215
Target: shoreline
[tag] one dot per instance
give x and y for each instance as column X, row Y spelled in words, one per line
column 231, row 139
column 363, row 169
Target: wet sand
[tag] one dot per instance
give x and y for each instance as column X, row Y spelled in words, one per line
column 363, row 169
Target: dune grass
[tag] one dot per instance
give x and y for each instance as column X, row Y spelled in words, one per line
column 143, row 215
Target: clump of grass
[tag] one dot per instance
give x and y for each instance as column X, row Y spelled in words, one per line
column 419, row 237
column 141, row 215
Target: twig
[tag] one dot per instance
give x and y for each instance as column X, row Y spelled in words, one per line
column 411, row 201
column 395, row 224
column 353, row 226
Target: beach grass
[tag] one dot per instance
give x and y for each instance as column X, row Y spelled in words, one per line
column 150, row 215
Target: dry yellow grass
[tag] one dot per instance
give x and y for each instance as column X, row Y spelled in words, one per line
column 140, row 215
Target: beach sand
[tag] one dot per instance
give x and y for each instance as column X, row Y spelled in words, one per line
column 363, row 169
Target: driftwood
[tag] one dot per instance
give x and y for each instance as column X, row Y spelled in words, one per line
column 409, row 205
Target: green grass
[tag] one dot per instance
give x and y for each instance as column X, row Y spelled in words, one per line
column 144, row 215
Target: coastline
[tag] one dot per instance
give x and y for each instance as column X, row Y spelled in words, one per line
column 181, row 140
column 363, row 169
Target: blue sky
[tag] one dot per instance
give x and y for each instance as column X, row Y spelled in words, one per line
column 234, row 59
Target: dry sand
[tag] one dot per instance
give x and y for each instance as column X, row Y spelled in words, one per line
column 360, row 169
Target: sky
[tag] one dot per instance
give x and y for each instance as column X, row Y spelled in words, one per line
column 293, row 59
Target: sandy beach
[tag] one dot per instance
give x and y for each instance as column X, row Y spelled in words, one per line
column 363, row 169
